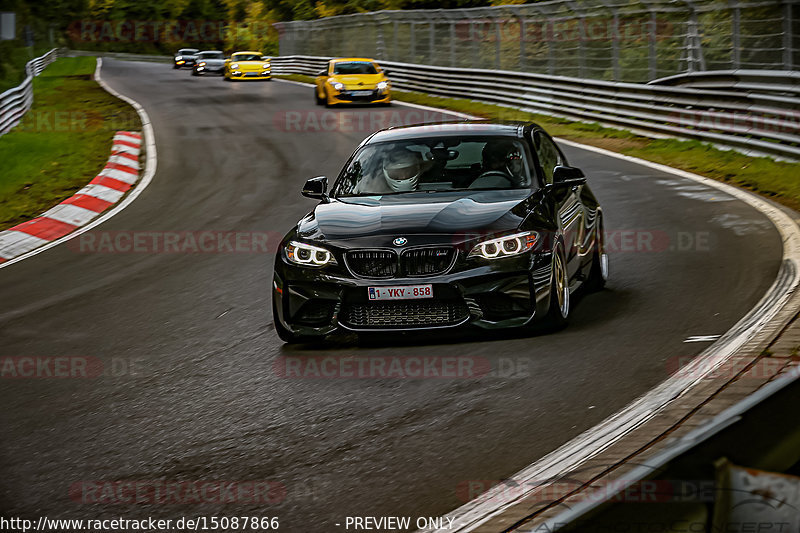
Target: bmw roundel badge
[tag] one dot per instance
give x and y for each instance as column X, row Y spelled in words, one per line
column 400, row 241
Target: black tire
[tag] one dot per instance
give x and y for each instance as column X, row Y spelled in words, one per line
column 195, row 73
column 317, row 99
column 558, row 312
column 598, row 272
column 325, row 101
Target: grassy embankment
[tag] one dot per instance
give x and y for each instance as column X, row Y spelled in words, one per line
column 777, row 180
column 62, row 142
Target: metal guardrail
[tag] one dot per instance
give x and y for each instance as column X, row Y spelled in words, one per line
column 15, row 102
column 765, row 121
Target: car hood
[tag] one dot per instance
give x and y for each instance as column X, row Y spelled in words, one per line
column 353, row 80
column 422, row 218
column 212, row 62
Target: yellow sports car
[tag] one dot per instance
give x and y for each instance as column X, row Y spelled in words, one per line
column 247, row 65
column 352, row 80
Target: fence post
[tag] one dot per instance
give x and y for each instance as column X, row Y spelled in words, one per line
column 615, row 47
column 395, row 55
column 431, row 42
column 652, row 61
column 498, row 36
column 787, row 35
column 521, row 42
column 412, row 59
column 736, row 52
column 452, row 44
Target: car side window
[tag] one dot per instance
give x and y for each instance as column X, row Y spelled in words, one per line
column 547, row 153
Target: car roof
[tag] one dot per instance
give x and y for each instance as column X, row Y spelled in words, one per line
column 188, row 50
column 247, row 52
column 211, row 52
column 448, row 129
column 344, row 59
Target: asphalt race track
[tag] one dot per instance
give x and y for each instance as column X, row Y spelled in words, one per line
column 189, row 389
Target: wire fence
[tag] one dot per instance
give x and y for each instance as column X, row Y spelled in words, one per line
column 615, row 40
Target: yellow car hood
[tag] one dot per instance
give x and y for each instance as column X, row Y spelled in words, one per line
column 352, row 81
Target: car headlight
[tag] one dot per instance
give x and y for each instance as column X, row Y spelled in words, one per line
column 505, row 246
column 202, row 64
column 266, row 66
column 308, row 255
column 383, row 85
column 339, row 86
column 179, row 58
column 235, row 65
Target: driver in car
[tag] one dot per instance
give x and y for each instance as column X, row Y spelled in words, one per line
column 502, row 166
column 399, row 172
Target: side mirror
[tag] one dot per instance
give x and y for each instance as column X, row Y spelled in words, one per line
column 264, row 58
column 316, row 188
column 322, row 73
column 562, row 174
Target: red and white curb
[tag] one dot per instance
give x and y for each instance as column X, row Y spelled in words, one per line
column 117, row 177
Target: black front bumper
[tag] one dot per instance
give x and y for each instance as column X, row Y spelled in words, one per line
column 511, row 292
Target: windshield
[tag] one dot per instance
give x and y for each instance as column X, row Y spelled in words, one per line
column 354, row 67
column 246, row 57
column 211, row 55
column 441, row 164
column 187, row 51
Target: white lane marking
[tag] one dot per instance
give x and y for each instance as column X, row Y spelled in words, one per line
column 13, row 243
column 70, row 214
column 702, row 338
column 147, row 176
column 101, row 191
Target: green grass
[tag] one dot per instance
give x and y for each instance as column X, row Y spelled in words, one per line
column 774, row 179
column 62, row 142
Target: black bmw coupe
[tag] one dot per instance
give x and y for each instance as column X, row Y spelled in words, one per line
column 462, row 224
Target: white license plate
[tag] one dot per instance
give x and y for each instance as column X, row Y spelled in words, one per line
column 360, row 93
column 406, row 292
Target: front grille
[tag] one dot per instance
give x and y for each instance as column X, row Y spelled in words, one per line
column 405, row 314
column 427, row 261
column 412, row 262
column 372, row 263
